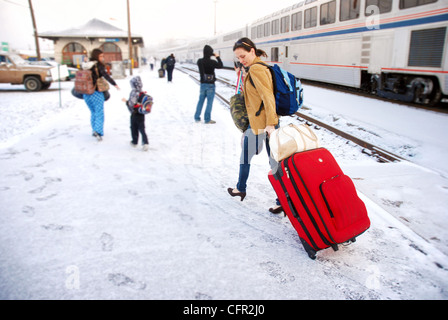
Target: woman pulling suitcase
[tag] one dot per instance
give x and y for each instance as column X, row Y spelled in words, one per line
column 262, row 122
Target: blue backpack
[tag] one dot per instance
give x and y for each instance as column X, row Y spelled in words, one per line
column 144, row 104
column 288, row 91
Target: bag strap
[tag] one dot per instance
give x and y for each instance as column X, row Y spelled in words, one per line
column 140, row 98
column 313, row 136
column 239, row 82
column 98, row 76
column 262, row 102
column 253, row 84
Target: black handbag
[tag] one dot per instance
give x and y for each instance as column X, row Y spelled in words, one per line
column 77, row 94
column 209, row 78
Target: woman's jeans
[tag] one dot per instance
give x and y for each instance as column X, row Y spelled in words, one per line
column 207, row 91
column 252, row 145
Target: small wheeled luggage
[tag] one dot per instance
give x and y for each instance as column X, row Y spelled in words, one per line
column 320, row 200
column 161, row 73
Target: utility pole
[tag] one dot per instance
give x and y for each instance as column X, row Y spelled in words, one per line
column 36, row 38
column 216, row 1
column 129, row 39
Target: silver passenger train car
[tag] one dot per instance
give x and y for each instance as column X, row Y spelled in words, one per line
column 393, row 48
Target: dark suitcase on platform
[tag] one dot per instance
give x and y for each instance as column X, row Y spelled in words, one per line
column 320, row 200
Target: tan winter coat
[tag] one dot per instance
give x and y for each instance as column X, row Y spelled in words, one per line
column 263, row 91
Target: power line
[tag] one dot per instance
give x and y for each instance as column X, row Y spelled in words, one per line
column 17, row 4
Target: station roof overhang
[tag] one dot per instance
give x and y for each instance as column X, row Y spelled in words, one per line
column 95, row 29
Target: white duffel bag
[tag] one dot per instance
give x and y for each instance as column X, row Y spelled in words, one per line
column 286, row 141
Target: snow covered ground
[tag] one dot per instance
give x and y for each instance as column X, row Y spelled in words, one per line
column 81, row 219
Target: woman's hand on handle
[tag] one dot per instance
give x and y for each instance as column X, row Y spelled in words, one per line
column 269, row 130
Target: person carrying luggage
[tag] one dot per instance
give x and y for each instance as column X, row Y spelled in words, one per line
column 95, row 101
column 262, row 122
column 170, row 63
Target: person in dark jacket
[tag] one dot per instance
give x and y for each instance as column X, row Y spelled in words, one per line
column 95, row 101
column 170, row 62
column 207, row 68
column 137, row 119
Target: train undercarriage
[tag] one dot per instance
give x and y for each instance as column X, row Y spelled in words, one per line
column 424, row 90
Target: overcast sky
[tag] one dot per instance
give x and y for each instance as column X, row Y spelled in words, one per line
column 154, row 20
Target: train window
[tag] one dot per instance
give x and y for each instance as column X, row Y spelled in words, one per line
column 233, row 36
column 311, row 17
column 404, row 4
column 296, row 21
column 349, row 9
column 253, row 32
column 275, row 27
column 384, row 6
column 328, row 13
column 267, row 29
column 284, row 24
column 260, row 31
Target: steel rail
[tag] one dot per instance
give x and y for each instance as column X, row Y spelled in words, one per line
column 379, row 153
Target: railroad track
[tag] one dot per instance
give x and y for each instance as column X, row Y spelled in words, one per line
column 380, row 154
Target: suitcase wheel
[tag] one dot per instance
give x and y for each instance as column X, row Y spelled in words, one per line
column 349, row 242
column 311, row 252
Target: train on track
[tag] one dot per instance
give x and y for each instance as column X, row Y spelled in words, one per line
column 395, row 49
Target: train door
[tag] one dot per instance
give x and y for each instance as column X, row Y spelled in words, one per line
column 280, row 55
column 274, row 54
column 285, row 57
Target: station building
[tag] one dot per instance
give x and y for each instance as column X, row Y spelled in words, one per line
column 73, row 45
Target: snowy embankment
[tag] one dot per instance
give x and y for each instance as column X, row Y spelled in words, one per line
column 87, row 220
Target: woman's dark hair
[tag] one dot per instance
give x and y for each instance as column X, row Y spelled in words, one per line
column 247, row 44
column 95, row 56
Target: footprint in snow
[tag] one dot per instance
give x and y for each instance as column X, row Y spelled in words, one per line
column 29, row 211
column 274, row 270
column 107, row 242
column 119, row 280
column 57, row 227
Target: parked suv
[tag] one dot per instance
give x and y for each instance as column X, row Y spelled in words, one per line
column 15, row 70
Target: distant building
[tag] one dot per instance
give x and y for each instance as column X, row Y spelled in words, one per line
column 72, row 45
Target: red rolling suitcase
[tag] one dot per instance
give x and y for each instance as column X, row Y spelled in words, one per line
column 320, row 200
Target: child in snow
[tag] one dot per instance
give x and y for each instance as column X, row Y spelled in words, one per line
column 137, row 119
